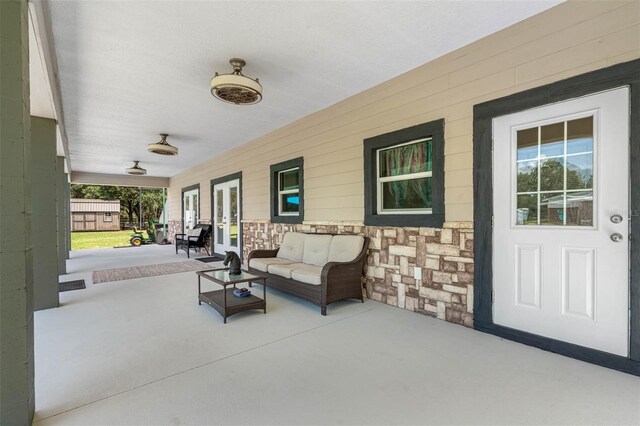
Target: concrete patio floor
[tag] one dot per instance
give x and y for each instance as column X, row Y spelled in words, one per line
column 143, row 352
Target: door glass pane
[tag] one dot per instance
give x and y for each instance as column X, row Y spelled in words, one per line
column 219, row 217
column 233, row 216
column 552, row 140
column 552, row 174
column 580, row 135
column 407, row 194
column 195, row 208
column 555, row 184
column 527, row 210
column 527, row 143
column 580, row 171
column 580, row 208
column 528, row 176
column 552, row 208
column 186, row 203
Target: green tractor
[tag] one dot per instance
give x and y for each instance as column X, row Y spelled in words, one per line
column 138, row 238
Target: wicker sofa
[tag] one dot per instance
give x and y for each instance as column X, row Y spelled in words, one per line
column 320, row 268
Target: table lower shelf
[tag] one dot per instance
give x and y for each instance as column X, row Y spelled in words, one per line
column 234, row 304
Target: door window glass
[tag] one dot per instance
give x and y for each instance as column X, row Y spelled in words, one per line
column 233, row 216
column 554, row 174
column 219, row 218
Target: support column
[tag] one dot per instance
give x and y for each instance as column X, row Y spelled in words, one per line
column 61, row 203
column 16, row 265
column 44, row 217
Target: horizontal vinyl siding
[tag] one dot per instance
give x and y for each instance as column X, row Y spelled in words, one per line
column 570, row 39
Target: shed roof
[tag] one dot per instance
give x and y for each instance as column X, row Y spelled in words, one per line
column 84, row 205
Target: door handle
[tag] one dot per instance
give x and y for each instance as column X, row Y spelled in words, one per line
column 616, row 237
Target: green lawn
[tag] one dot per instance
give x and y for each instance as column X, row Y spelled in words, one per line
column 91, row 240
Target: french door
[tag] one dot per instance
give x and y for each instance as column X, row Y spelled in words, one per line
column 190, row 204
column 561, row 221
column 226, row 216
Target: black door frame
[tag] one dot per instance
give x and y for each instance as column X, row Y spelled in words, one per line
column 232, row 176
column 187, row 189
column 626, row 74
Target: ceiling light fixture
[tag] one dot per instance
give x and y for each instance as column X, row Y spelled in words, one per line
column 163, row 147
column 136, row 170
column 236, row 88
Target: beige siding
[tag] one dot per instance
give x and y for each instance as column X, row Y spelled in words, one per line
column 573, row 38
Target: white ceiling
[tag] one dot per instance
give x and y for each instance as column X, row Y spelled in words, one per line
column 132, row 69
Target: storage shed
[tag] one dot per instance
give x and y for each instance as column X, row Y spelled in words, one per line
column 95, row 215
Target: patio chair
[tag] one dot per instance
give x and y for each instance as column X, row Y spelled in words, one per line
column 196, row 239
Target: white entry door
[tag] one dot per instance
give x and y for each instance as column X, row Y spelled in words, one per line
column 190, row 204
column 561, row 221
column 226, row 215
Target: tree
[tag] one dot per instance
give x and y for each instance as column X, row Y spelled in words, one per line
column 129, row 199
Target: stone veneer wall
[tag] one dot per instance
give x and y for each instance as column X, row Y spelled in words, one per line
column 444, row 257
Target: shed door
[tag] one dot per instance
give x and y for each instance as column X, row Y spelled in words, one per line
column 561, row 226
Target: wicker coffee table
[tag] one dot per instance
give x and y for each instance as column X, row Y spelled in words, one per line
column 223, row 300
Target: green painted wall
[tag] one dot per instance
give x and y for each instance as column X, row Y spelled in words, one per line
column 16, row 276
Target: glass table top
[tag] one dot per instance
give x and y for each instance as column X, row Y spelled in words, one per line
column 222, row 275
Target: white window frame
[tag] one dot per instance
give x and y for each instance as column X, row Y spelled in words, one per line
column 381, row 180
column 287, row 192
column 107, row 217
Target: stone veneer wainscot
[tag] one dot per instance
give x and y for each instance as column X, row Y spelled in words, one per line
column 444, row 256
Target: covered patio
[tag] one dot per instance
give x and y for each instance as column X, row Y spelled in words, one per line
column 465, row 169
column 143, row 352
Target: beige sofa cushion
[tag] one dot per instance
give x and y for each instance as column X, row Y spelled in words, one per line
column 345, row 248
column 292, row 246
column 309, row 274
column 262, row 263
column 316, row 249
column 284, row 270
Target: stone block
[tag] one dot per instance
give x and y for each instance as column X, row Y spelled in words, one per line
column 442, row 250
column 375, row 271
column 436, row 295
column 399, row 250
column 454, row 289
column 401, row 295
column 470, row 299
column 441, row 310
column 430, row 232
column 389, row 232
column 432, row 262
column 446, row 236
column 442, row 277
column 404, row 265
column 374, row 243
column 411, row 303
column 458, row 259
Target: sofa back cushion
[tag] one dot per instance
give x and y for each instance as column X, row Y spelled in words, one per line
column 316, row 249
column 345, row 248
column 292, row 246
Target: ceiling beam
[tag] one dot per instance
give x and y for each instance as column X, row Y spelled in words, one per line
column 41, row 21
column 119, row 180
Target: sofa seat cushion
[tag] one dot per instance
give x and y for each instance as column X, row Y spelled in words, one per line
column 284, row 270
column 345, row 248
column 262, row 263
column 309, row 274
column 292, row 246
column 316, row 249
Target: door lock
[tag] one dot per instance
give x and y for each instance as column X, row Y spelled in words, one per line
column 616, row 237
column 616, row 218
